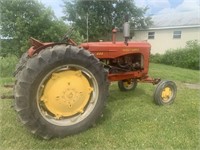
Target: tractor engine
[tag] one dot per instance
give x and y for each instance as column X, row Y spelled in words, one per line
column 131, row 62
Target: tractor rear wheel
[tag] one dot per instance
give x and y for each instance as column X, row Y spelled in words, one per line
column 21, row 64
column 19, row 67
column 61, row 91
column 127, row 85
column 165, row 93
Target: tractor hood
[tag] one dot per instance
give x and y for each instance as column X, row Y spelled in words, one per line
column 113, row 50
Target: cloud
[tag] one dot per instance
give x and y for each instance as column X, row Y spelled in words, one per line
column 169, row 6
column 185, row 6
column 154, row 5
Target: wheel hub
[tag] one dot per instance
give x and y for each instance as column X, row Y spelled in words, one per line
column 166, row 94
column 128, row 84
column 66, row 93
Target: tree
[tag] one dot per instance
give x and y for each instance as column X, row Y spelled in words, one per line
column 103, row 16
column 22, row 19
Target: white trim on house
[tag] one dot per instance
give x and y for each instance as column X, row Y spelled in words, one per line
column 174, row 27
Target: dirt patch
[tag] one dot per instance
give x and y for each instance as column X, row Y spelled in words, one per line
column 192, row 86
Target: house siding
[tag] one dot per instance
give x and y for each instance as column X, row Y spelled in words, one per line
column 164, row 40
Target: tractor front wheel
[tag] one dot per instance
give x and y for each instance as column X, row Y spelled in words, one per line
column 127, row 85
column 61, row 91
column 165, row 93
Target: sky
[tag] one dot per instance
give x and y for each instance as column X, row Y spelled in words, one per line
column 156, row 7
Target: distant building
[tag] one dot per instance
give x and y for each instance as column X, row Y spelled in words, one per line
column 170, row 31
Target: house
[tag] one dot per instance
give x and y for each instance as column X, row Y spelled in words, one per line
column 170, row 31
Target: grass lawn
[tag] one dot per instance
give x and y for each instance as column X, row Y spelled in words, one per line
column 131, row 120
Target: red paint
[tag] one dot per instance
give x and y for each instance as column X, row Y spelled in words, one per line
column 110, row 51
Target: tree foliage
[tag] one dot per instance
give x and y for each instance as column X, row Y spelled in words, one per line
column 22, row 19
column 103, row 16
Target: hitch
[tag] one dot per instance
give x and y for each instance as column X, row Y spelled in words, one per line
column 147, row 79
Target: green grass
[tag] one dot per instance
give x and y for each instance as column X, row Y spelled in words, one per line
column 131, row 120
column 7, row 65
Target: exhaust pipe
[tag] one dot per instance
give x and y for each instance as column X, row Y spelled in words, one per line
column 126, row 30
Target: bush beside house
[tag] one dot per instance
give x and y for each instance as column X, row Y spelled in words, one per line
column 188, row 57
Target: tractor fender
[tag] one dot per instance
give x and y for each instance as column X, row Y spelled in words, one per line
column 37, row 46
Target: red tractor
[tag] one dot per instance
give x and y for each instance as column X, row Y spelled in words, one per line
column 61, row 88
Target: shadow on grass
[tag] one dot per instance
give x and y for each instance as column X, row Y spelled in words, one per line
column 116, row 95
column 119, row 100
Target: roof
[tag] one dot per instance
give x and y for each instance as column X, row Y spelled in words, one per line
column 174, row 20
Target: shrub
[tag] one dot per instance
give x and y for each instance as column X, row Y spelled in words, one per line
column 187, row 57
column 156, row 58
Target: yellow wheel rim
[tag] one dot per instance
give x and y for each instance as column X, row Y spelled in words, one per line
column 128, row 84
column 166, row 94
column 67, row 95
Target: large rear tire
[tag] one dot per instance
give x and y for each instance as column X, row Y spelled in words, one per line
column 22, row 62
column 19, row 67
column 61, row 91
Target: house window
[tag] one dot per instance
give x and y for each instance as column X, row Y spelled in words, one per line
column 151, row 35
column 177, row 35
